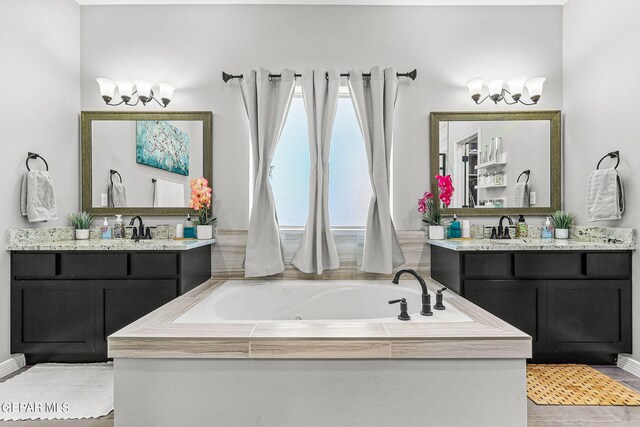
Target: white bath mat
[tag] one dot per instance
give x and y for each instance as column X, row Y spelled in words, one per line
column 58, row 391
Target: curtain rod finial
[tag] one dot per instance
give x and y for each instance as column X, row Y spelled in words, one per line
column 413, row 74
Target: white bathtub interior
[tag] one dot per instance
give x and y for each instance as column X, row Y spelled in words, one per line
column 252, row 301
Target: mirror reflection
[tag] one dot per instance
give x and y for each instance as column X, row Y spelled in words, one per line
column 497, row 164
column 145, row 163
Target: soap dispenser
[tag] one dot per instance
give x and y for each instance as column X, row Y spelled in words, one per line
column 105, row 230
column 522, row 229
column 118, row 229
column 547, row 230
column 189, row 229
column 455, row 229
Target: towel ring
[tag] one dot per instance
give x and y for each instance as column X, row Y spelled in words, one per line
column 34, row 156
column 612, row 155
column 114, row 172
column 528, row 173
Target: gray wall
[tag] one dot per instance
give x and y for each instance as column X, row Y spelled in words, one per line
column 40, row 71
column 190, row 46
column 601, row 64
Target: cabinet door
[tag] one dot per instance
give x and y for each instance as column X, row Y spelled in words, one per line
column 589, row 317
column 521, row 303
column 53, row 319
column 121, row 302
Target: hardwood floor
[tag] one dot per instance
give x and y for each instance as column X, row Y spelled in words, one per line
column 538, row 416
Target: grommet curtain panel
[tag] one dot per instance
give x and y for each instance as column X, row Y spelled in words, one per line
column 317, row 251
column 267, row 103
column 374, row 100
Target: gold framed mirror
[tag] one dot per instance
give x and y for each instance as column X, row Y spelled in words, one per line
column 501, row 163
column 153, row 156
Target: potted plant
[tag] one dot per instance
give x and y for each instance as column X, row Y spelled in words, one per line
column 82, row 222
column 562, row 222
column 431, row 208
column 200, row 201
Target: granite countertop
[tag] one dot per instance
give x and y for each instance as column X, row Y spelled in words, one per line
column 111, row 245
column 531, row 244
column 62, row 239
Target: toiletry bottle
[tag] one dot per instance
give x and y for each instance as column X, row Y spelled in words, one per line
column 522, row 229
column 118, row 229
column 105, row 230
column 547, row 230
column 454, row 229
column 189, row 229
column 466, row 229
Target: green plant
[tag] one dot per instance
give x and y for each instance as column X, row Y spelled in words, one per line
column 81, row 220
column 562, row 220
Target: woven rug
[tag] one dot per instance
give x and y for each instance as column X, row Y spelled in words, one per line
column 576, row 385
column 58, row 391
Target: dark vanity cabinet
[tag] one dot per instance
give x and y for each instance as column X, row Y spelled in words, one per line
column 575, row 305
column 64, row 305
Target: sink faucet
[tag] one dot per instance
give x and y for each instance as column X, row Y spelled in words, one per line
column 140, row 232
column 502, row 232
column 426, row 298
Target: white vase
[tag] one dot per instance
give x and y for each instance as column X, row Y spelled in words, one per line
column 204, row 232
column 436, row 232
column 562, row 233
column 82, row 234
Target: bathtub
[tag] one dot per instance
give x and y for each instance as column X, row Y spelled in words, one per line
column 277, row 301
column 318, row 353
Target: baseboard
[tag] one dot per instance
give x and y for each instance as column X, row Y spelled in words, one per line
column 628, row 364
column 12, row 364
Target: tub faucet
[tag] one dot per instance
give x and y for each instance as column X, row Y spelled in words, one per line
column 503, row 233
column 426, row 298
column 140, row 232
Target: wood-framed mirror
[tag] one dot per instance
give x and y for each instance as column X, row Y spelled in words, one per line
column 153, row 156
column 502, row 163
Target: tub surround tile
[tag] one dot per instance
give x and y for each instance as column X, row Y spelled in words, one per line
column 155, row 336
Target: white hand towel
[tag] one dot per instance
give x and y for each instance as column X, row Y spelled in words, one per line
column 37, row 198
column 117, row 195
column 605, row 195
column 168, row 194
column 521, row 196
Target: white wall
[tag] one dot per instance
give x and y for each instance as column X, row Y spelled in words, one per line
column 191, row 45
column 39, row 105
column 601, row 40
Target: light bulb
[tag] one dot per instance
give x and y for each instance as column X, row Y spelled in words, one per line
column 495, row 89
column 515, row 86
column 475, row 88
column 125, row 88
column 107, row 88
column 144, row 90
column 534, row 87
column 166, row 92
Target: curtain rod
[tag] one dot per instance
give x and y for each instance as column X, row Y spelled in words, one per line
column 411, row 74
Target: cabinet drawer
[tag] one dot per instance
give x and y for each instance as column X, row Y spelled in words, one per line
column 95, row 265
column 491, row 265
column 608, row 265
column 154, row 264
column 548, row 265
column 33, row 265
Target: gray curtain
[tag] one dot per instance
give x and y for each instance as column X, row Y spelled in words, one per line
column 374, row 100
column 267, row 104
column 317, row 251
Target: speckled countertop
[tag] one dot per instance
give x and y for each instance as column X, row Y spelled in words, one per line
column 62, row 239
column 529, row 244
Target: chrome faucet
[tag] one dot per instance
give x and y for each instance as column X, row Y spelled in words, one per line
column 503, row 233
column 140, row 232
column 426, row 298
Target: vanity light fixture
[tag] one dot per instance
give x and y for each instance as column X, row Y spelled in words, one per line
column 509, row 91
column 142, row 89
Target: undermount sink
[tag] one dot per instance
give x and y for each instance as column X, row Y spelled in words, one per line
column 508, row 241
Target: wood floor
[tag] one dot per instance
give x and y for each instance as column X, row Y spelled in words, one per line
column 575, row 416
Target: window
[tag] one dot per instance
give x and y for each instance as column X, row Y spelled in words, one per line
column 349, row 185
